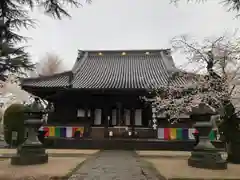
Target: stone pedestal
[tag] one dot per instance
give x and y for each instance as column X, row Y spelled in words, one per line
column 29, row 155
column 234, row 152
column 204, row 154
column 31, row 151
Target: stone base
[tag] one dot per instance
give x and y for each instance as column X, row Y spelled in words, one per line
column 30, row 155
column 207, row 160
column 234, row 155
column 29, row 160
column 234, row 158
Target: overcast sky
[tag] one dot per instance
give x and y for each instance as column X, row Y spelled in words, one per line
column 126, row 24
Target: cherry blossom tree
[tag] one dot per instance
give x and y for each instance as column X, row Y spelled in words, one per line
column 11, row 88
column 11, row 93
column 216, row 86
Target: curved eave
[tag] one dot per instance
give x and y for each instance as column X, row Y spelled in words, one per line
column 46, row 92
column 60, row 80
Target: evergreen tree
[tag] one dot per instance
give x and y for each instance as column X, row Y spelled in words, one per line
column 233, row 5
column 13, row 59
column 14, row 15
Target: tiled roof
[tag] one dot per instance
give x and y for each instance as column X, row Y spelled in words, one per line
column 137, row 69
column 56, row 80
column 133, row 70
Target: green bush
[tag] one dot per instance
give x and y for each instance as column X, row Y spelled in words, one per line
column 14, row 121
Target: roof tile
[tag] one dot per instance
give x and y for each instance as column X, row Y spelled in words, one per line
column 57, row 80
column 132, row 71
column 112, row 70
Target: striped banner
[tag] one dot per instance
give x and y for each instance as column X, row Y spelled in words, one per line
column 166, row 133
column 163, row 133
column 160, row 133
column 184, row 133
column 61, row 131
column 46, row 129
column 180, row 134
column 51, row 131
column 173, row 133
column 69, row 131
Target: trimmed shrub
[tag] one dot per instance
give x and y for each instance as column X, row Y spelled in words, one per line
column 14, row 122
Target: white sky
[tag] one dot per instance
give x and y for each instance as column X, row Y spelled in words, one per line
column 126, row 24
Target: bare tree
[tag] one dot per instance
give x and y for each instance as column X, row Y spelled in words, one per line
column 49, row 65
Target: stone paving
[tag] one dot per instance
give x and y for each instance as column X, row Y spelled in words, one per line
column 114, row 165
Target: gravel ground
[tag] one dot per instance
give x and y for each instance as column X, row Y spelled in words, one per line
column 56, row 167
column 176, row 168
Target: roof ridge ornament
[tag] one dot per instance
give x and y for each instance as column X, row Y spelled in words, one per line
column 167, row 52
column 80, row 54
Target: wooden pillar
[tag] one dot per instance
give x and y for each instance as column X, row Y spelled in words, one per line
column 110, row 114
column 105, row 121
column 132, row 119
column 92, row 116
column 102, row 116
column 118, row 113
column 122, row 120
column 85, row 114
column 85, row 123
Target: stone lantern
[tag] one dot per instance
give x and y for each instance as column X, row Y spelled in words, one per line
column 31, row 151
column 204, row 154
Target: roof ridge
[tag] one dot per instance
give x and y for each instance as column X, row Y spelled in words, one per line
column 126, row 50
column 48, row 76
column 82, row 56
column 168, row 61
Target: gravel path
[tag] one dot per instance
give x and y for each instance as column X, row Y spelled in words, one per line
column 114, row 165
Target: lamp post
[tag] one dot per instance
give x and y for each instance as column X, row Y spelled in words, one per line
column 31, row 151
column 204, row 154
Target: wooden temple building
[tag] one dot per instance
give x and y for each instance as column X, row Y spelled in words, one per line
column 100, row 96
